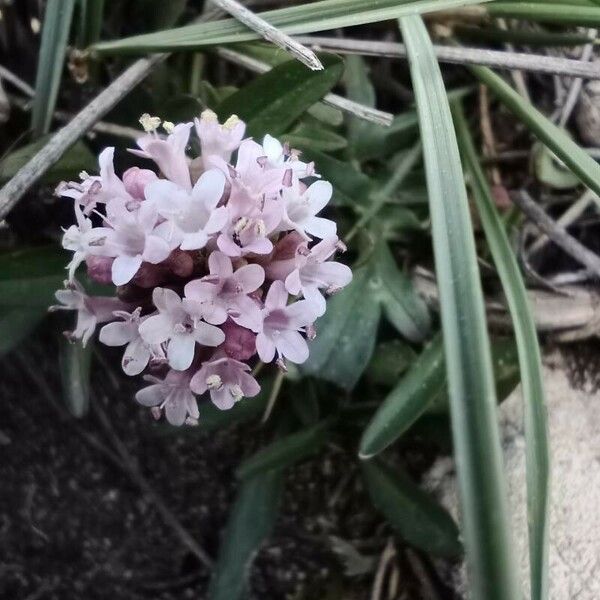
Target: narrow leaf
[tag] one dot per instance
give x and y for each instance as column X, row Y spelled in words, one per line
column 536, row 428
column 252, row 518
column 55, row 36
column 274, row 100
column 75, row 363
column 305, row 18
column 314, row 136
column 417, row 517
column 486, row 528
column 557, row 139
column 76, row 159
column 286, row 451
column 423, row 383
column 548, row 12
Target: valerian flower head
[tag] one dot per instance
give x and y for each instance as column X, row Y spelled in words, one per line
column 218, row 261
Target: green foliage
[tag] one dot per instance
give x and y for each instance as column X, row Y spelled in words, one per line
column 348, row 330
column 273, row 101
column 305, row 18
column 55, row 36
column 75, row 364
column 486, row 529
column 252, row 518
column 76, row 159
column 287, row 450
column 417, row 517
column 536, row 428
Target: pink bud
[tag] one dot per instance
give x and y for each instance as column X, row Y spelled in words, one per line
column 136, row 180
column 240, row 343
column 99, row 268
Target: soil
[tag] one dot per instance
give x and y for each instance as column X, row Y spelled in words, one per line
column 74, row 523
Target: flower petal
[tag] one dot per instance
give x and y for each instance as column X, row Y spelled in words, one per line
column 124, row 268
column 293, row 346
column 180, row 351
column 265, row 348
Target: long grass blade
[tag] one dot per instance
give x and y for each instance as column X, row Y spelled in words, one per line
column 486, row 528
column 548, row 12
column 306, row 18
column 536, row 429
column 55, row 35
column 574, row 157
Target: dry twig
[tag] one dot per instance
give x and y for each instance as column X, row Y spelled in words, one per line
column 270, row 33
column 451, row 54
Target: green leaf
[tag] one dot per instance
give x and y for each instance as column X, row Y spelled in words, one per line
column 346, row 333
column 404, row 309
column 548, row 12
column 424, row 389
column 550, row 171
column 75, row 363
column 306, row 18
column 91, row 14
column 536, row 428
column 424, row 382
column 252, row 518
column 317, row 137
column 55, row 36
column 348, row 330
column 287, row 450
column 29, row 277
column 273, row 101
column 76, row 159
column 16, row 324
column 390, row 360
column 417, row 517
column 557, row 139
column 351, row 187
column 486, row 529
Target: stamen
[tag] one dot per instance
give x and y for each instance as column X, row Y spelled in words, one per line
column 231, row 122
column 214, row 382
column 149, row 123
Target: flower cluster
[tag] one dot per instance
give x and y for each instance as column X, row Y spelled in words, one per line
column 214, row 260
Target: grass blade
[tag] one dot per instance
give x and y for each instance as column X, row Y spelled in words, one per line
column 55, row 35
column 419, row 519
column 548, row 12
column 536, row 429
column 557, row 139
column 91, row 13
column 252, row 518
column 486, row 529
column 306, row 18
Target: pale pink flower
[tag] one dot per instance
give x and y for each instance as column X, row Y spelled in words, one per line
column 191, row 217
column 281, row 326
column 227, row 380
column 95, row 190
column 84, row 240
column 171, row 394
column 169, row 153
column 301, row 208
column 216, row 139
column 91, row 310
column 126, row 332
column 180, row 330
column 133, row 240
column 314, row 272
column 279, row 155
column 135, row 181
column 228, row 290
